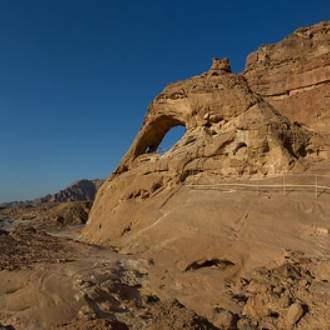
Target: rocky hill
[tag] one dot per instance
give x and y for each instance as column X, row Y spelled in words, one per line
column 82, row 190
column 67, row 207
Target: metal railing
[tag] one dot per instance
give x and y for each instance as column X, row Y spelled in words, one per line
column 315, row 183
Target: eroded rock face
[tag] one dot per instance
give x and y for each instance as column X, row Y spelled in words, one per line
column 236, row 127
column 294, row 75
column 225, row 124
column 230, row 131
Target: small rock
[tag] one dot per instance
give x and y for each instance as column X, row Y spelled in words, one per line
column 295, row 312
column 4, row 232
column 6, row 327
column 278, row 289
column 223, row 319
column 255, row 286
column 303, row 283
column 215, row 118
column 245, row 324
column 284, row 301
column 86, row 313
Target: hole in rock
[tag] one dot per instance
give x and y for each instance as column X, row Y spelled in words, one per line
column 274, row 315
column 171, row 138
column 160, row 135
column 221, row 264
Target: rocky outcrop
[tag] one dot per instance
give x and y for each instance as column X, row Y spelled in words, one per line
column 294, row 75
column 271, row 119
column 229, row 131
column 225, row 123
column 206, row 238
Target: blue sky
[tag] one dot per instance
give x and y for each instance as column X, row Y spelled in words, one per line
column 76, row 76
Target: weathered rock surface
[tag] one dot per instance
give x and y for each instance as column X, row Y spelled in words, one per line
column 291, row 295
column 255, row 128
column 233, row 128
column 294, row 75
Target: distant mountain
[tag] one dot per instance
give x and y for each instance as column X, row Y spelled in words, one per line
column 82, row 190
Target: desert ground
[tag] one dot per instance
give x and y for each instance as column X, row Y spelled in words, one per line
column 253, row 268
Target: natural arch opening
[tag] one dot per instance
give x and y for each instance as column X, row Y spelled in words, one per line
column 155, row 132
column 171, row 138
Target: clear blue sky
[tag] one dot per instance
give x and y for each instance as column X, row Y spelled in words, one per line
column 76, row 76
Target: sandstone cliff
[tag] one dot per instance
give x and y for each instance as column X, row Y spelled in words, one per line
column 294, row 74
column 266, row 124
column 254, row 124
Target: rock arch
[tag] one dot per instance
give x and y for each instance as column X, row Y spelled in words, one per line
column 153, row 134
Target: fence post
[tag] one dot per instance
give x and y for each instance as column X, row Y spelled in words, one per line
column 258, row 192
column 316, row 187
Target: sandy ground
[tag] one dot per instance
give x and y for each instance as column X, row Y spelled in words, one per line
column 241, row 260
column 50, row 282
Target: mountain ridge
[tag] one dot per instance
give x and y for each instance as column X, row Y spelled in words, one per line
column 81, row 190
